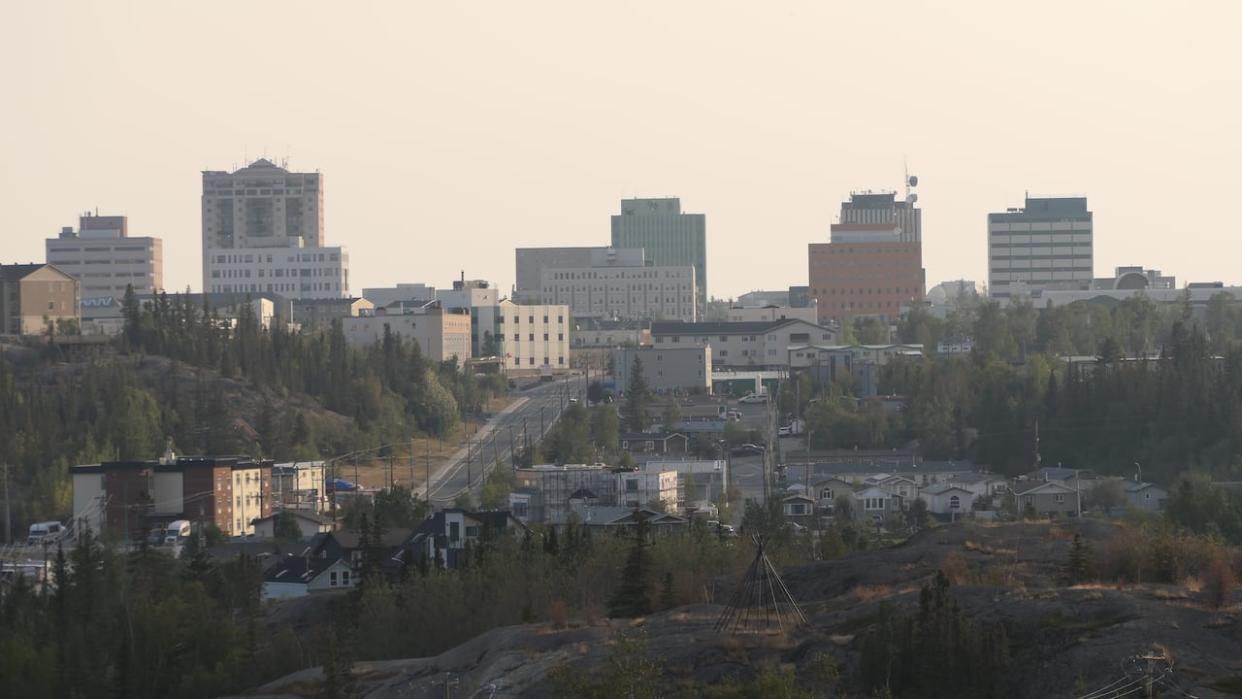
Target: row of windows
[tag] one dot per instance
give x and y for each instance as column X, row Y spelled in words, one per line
column 616, row 274
column 862, row 292
column 518, row 319
column 517, row 337
column 304, row 272
column 300, row 257
column 517, row 361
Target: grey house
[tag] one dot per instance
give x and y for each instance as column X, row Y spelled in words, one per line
column 1048, row 498
column 1145, row 496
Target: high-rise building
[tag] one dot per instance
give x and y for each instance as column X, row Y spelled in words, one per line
column 873, row 264
column 669, row 237
column 106, row 260
column 260, row 226
column 1045, row 244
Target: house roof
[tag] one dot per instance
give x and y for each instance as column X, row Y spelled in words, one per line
column 977, row 477
column 797, row 496
column 299, row 569
column 874, row 491
column 583, row 494
column 651, row 436
column 942, row 488
column 349, row 538
column 1048, row 487
column 300, row 514
column 1054, row 473
column 1139, row 486
column 723, row 327
column 12, row 273
column 889, row 469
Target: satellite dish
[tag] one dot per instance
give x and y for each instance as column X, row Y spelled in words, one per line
column 911, row 198
column 913, row 180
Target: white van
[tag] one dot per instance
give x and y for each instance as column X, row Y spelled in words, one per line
column 44, row 533
column 178, row 531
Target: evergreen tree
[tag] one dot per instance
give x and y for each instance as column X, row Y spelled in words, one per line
column 1079, row 568
column 637, row 396
column 633, row 597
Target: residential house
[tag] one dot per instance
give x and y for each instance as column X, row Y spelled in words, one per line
column 309, row 524
column 798, row 508
column 298, row 576
column 1146, row 496
column 896, row 484
column 610, row 517
column 981, row 484
column 947, row 499
column 827, row 490
column 442, row 539
column 1047, row 498
column 873, row 504
column 346, row 545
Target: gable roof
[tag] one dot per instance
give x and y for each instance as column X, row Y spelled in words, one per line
column 797, row 496
column 13, row 273
column 349, row 538
column 1138, row 487
column 1048, row 487
column 977, row 477
column 942, row 488
column 299, row 569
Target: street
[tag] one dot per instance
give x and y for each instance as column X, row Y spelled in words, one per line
column 535, row 409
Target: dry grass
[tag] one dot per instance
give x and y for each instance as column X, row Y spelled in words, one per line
column 1056, row 533
column 866, row 593
column 956, row 568
column 990, row 550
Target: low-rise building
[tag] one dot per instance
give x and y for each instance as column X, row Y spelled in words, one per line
column 623, row 292
column 440, row 333
column 34, row 297
column 700, row 482
column 293, row 272
column 947, row 499
column 308, row 523
column 556, row 485
column 1146, row 496
column 742, row 345
column 533, row 336
column 299, row 485
column 128, row 497
column 873, row 504
column 1048, row 498
column 647, row 488
column 386, row 296
column 590, row 333
column 321, row 311
column 767, row 314
column 297, row 576
column 666, row 368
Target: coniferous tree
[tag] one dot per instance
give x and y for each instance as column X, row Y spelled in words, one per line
column 637, row 396
column 633, row 597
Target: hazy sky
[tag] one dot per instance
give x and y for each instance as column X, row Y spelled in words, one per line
column 449, row 133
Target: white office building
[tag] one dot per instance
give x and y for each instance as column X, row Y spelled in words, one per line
column 105, row 260
column 1045, row 244
column 295, row 272
column 624, row 293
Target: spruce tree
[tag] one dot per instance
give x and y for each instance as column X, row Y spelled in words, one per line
column 1079, row 561
column 636, row 397
column 632, row 598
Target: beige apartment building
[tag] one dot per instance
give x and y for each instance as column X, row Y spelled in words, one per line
column 535, row 336
column 105, row 260
column 32, row 296
column 441, row 333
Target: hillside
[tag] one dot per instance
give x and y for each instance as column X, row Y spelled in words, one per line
column 1063, row 641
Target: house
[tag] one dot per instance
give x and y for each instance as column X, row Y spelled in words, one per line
column 827, row 490
column 874, row 504
column 897, row 485
column 798, row 507
column 1145, row 496
column 947, row 499
column 1047, row 498
column 981, row 484
column 309, row 524
column 610, row 517
column 298, row 576
column 346, row 545
column 442, row 538
column 1072, row 478
column 656, row 442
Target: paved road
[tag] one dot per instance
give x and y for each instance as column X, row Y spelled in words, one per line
column 541, row 404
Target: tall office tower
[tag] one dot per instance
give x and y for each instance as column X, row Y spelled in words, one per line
column 1045, row 244
column 873, row 264
column 883, row 208
column 106, row 260
column 671, row 238
column 260, row 225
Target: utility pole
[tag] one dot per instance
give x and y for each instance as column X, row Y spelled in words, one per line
column 8, row 513
column 427, row 486
column 467, row 459
column 411, row 463
column 541, row 427
column 512, row 451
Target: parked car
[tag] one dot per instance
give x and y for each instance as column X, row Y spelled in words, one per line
column 784, row 432
column 747, row 450
column 573, row 401
column 753, row 398
column 44, row 533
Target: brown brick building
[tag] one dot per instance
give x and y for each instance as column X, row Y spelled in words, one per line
column 865, row 274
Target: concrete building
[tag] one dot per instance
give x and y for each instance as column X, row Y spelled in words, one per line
column 742, row 345
column 385, row 296
column 531, row 263
column 883, row 208
column 623, row 293
column 306, row 273
column 299, row 485
column 441, row 333
column 687, row 369
column 311, row 312
column 128, row 497
column 263, row 231
column 533, row 336
column 745, row 314
column 106, row 261
column 590, row 333
column 647, row 488
column 34, row 295
column 700, row 482
column 868, row 272
column 669, row 237
column 482, row 301
column 1047, row 242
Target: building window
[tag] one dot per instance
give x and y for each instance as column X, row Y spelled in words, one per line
column 332, row 579
column 955, row 503
column 1058, row 498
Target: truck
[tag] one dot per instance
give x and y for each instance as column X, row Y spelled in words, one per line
column 545, row 373
column 44, row 533
column 177, row 532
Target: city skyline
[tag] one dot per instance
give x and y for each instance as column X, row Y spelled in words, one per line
column 502, row 142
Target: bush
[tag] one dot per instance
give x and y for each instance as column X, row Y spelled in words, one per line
column 1218, row 582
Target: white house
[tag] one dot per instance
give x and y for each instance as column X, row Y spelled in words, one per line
column 983, row 485
column 298, row 576
column 827, row 491
column 947, row 499
column 897, row 485
column 309, row 524
column 798, row 506
column 1145, row 496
